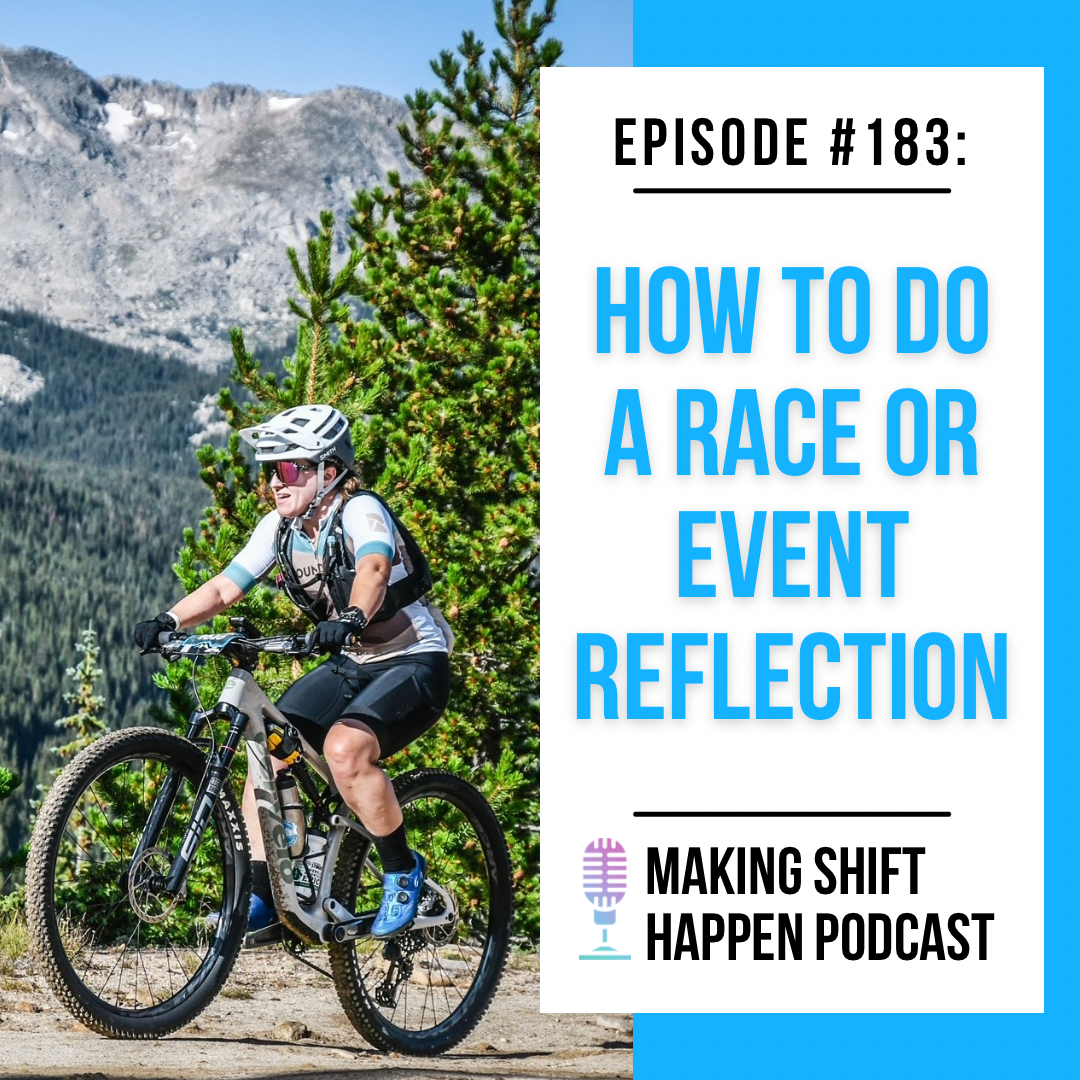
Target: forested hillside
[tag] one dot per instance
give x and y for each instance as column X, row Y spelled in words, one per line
column 101, row 404
column 98, row 479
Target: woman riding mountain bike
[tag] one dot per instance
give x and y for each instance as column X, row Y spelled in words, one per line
column 346, row 561
column 140, row 886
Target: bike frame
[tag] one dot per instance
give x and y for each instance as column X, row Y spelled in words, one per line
column 243, row 699
column 247, row 709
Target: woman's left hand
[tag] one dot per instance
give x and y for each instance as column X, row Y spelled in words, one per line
column 333, row 635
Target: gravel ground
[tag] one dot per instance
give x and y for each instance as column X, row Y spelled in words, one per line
column 277, row 1018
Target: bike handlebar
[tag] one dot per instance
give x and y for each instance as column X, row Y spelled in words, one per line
column 173, row 646
column 298, row 645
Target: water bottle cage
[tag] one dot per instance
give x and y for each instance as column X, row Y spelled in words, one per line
column 308, row 869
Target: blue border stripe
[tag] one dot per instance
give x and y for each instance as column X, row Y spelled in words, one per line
column 919, row 33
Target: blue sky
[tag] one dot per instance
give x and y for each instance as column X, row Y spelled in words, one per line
column 276, row 45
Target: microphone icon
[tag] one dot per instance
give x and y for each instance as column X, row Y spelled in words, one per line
column 603, row 872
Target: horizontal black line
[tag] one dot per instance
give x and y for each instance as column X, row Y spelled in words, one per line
column 790, row 191
column 793, row 813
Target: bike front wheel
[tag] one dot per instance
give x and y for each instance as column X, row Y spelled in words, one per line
column 422, row 991
column 127, row 958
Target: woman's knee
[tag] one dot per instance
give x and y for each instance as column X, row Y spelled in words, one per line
column 350, row 749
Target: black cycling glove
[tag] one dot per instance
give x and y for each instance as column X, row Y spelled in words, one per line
column 334, row 634
column 148, row 632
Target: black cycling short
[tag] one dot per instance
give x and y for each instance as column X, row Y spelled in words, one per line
column 398, row 699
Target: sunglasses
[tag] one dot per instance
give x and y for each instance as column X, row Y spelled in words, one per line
column 288, row 472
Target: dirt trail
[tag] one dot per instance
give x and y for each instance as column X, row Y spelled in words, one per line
column 278, row 1019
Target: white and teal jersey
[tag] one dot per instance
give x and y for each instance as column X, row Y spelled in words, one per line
column 368, row 530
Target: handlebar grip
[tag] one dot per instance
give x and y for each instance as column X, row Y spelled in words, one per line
column 163, row 639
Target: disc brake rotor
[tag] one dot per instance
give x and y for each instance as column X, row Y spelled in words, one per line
column 146, row 886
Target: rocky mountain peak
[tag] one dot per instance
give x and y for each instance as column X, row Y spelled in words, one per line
column 157, row 217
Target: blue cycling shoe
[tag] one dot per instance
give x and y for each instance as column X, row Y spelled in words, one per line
column 261, row 915
column 262, row 920
column 401, row 898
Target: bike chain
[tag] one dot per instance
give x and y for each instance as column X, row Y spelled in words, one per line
column 296, row 949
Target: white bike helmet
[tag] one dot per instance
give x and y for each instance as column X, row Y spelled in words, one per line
column 315, row 433
column 312, row 433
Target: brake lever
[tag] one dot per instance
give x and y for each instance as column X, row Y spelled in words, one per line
column 244, row 627
column 302, row 645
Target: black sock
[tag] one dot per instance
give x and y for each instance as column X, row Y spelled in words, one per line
column 394, row 853
column 260, row 882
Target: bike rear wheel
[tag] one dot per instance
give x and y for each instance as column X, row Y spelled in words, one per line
column 422, row 991
column 127, row 959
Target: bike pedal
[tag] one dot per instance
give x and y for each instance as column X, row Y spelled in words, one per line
column 396, row 934
column 269, row 935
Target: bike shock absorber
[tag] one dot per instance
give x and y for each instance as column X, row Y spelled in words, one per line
column 284, row 742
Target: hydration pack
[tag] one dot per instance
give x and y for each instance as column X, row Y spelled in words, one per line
column 339, row 570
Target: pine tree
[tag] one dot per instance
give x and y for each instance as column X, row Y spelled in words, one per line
column 442, row 388
column 9, row 782
column 86, row 723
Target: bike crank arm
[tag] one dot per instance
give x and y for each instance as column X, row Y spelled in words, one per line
column 345, row 926
column 348, row 926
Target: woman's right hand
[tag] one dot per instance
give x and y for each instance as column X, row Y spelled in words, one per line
column 148, row 633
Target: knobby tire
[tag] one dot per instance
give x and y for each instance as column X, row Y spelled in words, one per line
column 453, row 972
column 126, row 960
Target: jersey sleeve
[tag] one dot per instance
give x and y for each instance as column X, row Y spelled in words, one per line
column 368, row 528
column 257, row 556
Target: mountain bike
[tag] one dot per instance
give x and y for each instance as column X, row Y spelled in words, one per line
column 138, row 879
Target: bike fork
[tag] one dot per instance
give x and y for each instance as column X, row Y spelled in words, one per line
column 214, row 780
column 163, row 804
